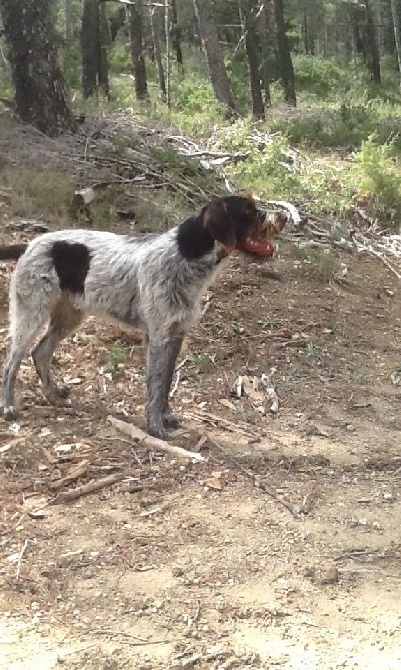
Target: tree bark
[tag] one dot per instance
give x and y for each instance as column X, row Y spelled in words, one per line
column 95, row 36
column 138, row 60
column 214, row 54
column 396, row 16
column 267, row 45
column 247, row 16
column 284, row 55
column 372, row 44
column 176, row 33
column 156, row 24
column 104, row 40
column 40, row 91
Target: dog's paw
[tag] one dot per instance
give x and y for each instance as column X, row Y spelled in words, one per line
column 9, row 413
column 62, row 390
column 56, row 394
column 158, row 430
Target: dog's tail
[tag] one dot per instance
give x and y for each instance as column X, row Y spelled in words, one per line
column 13, row 252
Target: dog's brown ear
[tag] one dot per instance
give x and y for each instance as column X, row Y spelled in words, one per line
column 219, row 224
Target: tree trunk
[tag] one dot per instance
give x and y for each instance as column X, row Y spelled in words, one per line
column 155, row 20
column 267, row 46
column 247, row 17
column 138, row 61
column 214, row 54
column 40, row 92
column 396, row 16
column 104, row 40
column 116, row 22
column 90, row 47
column 176, row 33
column 284, row 56
column 372, row 44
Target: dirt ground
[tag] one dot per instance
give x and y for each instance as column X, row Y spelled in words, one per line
column 281, row 550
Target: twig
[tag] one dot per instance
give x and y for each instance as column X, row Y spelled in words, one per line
column 213, row 418
column 196, row 616
column 175, row 386
column 90, row 487
column 141, row 640
column 20, row 556
column 256, row 479
column 150, row 442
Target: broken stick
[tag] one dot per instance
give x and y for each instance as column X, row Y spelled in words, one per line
column 150, row 442
column 90, row 487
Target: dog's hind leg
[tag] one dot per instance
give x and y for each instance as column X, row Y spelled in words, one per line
column 25, row 324
column 64, row 321
column 169, row 419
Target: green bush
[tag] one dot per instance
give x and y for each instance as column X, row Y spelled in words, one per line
column 378, row 171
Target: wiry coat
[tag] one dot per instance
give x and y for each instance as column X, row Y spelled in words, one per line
column 154, row 282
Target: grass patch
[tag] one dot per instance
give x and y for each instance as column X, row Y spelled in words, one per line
column 37, row 193
column 319, row 264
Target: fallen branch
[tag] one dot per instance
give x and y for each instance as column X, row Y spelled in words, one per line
column 213, row 418
column 150, row 442
column 20, row 556
column 367, row 248
column 291, row 209
column 75, row 474
column 90, row 487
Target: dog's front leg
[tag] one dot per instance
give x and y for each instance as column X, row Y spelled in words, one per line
column 161, row 358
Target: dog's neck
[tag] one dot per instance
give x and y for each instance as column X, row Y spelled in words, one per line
column 194, row 241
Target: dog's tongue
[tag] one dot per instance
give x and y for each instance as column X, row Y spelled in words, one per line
column 259, row 247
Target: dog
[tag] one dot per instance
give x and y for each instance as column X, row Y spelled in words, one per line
column 151, row 281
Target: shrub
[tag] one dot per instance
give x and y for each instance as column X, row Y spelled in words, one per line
column 378, row 171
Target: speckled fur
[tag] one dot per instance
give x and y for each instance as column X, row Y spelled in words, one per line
column 145, row 281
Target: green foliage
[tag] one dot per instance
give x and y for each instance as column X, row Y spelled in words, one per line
column 318, row 76
column 275, row 171
column 320, row 264
column 378, row 170
column 116, row 357
column 201, row 362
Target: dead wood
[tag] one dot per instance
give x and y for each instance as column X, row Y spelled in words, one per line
column 150, row 442
column 72, row 476
column 201, row 415
column 90, row 487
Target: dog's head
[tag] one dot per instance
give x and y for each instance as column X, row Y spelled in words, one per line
column 238, row 224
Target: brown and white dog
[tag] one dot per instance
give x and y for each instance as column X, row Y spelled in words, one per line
column 154, row 282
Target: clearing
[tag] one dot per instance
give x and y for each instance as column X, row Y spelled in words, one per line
column 281, row 550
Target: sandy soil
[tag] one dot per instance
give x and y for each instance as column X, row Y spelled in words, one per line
column 281, row 550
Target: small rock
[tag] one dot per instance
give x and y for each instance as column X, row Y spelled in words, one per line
column 329, row 576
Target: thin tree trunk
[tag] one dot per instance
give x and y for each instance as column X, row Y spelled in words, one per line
column 167, row 27
column 251, row 39
column 284, row 56
column 138, row 61
column 373, row 47
column 396, row 16
column 40, row 92
column 155, row 20
column 214, row 54
column 266, row 31
column 90, row 47
column 103, row 42
column 176, row 33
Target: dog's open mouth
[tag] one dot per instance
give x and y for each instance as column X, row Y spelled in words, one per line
column 258, row 246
